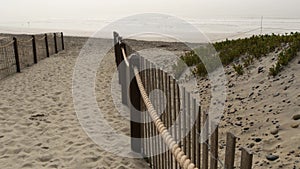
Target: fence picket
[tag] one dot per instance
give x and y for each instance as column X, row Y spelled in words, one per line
column 198, row 125
column 205, row 142
column 178, row 103
column 194, row 128
column 188, row 113
column 169, row 114
column 214, row 147
column 230, row 151
column 175, row 114
column 246, row 159
column 177, row 120
column 184, row 119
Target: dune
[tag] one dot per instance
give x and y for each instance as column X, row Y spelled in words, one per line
column 39, row 127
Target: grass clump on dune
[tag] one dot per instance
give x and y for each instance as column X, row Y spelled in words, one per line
column 251, row 48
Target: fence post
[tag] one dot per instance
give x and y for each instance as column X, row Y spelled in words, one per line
column 47, row 45
column 230, row 151
column 55, row 43
column 118, row 53
column 214, row 147
column 62, row 41
column 123, row 76
column 34, row 49
column 127, row 88
column 17, row 55
column 136, row 125
column 246, row 159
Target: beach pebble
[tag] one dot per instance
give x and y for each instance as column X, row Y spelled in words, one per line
column 239, row 98
column 232, row 110
column 299, row 62
column 239, row 123
column 276, row 94
column 239, row 118
column 295, row 125
column 260, row 69
column 271, row 157
column 274, row 132
column 257, row 140
column 296, row 117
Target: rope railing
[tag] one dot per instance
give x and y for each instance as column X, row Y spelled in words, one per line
column 58, row 34
column 125, row 57
column 6, row 45
column 25, row 41
column 177, row 152
column 42, row 38
column 50, row 35
column 26, row 50
column 141, row 76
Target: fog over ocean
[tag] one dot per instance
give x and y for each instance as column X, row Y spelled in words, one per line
column 215, row 29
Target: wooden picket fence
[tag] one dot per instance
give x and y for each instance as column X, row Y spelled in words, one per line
column 181, row 116
column 25, row 50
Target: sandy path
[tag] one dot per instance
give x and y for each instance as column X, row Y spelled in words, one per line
column 38, row 124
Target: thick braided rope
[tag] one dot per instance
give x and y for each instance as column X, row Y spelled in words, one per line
column 125, row 57
column 177, row 152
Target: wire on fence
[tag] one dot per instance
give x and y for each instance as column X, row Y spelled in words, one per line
column 25, row 41
column 6, row 45
column 51, row 43
column 18, row 54
column 7, row 60
column 41, row 48
column 42, row 38
column 26, row 56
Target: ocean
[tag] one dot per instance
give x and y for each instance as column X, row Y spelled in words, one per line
column 159, row 27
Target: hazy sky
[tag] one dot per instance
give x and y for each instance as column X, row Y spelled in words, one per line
column 31, row 10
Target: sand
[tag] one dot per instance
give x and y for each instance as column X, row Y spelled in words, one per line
column 259, row 111
column 39, row 127
column 38, row 124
